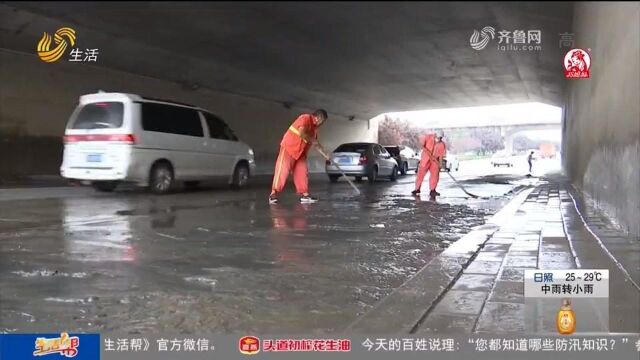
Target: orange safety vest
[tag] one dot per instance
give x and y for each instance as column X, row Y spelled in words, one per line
column 439, row 150
column 436, row 150
column 293, row 142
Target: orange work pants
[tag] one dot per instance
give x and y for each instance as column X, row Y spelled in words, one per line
column 286, row 164
column 432, row 167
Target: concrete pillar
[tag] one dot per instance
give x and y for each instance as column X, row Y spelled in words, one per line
column 508, row 135
column 508, row 143
column 601, row 129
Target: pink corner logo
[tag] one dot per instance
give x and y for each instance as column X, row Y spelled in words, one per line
column 577, row 63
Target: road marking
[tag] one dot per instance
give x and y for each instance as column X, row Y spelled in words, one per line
column 170, row 237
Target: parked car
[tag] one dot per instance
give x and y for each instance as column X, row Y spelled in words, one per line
column 413, row 158
column 405, row 157
column 502, row 158
column 113, row 138
column 362, row 160
column 450, row 162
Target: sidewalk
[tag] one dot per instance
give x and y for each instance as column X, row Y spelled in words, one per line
column 53, row 187
column 484, row 292
column 56, row 181
column 35, row 181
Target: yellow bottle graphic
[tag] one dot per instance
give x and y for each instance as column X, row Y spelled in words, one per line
column 566, row 319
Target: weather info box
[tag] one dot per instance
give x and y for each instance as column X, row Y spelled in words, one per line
column 567, row 301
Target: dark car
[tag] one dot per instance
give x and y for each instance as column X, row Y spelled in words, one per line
column 405, row 157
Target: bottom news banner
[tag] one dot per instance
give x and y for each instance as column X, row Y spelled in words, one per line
column 159, row 346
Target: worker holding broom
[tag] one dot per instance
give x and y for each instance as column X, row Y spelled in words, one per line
column 433, row 152
column 294, row 147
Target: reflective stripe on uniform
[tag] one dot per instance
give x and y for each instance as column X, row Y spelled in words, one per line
column 276, row 179
column 297, row 132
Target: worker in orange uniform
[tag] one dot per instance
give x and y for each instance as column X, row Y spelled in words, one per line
column 295, row 145
column 433, row 152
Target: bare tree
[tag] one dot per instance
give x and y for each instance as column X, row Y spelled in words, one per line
column 490, row 139
column 398, row 132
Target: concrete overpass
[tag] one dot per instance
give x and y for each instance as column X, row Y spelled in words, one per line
column 509, row 132
column 259, row 64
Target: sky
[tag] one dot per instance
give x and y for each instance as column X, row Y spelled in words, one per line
column 513, row 114
column 486, row 115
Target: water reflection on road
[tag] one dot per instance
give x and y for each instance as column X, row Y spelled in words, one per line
column 218, row 261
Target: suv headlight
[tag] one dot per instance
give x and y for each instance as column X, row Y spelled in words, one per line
column 251, row 152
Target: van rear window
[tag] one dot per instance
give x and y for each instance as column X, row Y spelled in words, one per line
column 102, row 115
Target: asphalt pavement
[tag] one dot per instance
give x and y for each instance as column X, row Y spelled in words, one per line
column 216, row 260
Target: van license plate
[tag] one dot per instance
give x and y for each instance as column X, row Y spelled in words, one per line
column 94, row 158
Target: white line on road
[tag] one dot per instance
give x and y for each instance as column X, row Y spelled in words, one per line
column 170, row 237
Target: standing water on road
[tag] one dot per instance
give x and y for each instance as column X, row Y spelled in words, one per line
column 217, row 261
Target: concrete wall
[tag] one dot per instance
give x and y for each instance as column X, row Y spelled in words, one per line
column 37, row 98
column 601, row 129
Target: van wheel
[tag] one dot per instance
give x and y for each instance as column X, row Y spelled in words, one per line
column 405, row 168
column 161, row 179
column 105, row 186
column 240, row 176
column 394, row 174
column 334, row 178
column 373, row 175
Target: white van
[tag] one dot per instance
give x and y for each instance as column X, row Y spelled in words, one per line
column 114, row 137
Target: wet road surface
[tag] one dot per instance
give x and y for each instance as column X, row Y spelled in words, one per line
column 222, row 261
